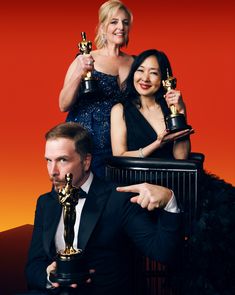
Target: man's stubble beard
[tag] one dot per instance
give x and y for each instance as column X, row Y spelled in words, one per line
column 61, row 183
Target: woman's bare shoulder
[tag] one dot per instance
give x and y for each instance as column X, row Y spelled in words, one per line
column 96, row 53
column 127, row 56
column 117, row 108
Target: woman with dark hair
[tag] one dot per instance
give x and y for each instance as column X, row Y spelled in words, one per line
column 138, row 130
column 137, row 124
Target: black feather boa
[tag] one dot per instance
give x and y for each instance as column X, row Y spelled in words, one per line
column 209, row 265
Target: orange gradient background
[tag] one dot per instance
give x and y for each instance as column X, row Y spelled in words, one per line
column 39, row 41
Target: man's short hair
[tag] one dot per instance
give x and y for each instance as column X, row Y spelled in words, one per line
column 75, row 132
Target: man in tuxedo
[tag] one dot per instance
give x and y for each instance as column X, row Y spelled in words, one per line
column 109, row 221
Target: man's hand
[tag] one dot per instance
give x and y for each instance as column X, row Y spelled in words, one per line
column 88, row 281
column 52, row 268
column 149, row 196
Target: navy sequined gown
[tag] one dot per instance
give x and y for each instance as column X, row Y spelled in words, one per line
column 94, row 115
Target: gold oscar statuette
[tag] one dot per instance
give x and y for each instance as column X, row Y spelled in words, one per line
column 89, row 83
column 175, row 121
column 70, row 263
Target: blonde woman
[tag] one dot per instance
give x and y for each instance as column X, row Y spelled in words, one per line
column 110, row 65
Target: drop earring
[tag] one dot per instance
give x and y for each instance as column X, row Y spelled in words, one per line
column 104, row 39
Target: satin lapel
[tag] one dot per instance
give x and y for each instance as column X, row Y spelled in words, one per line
column 92, row 210
column 51, row 220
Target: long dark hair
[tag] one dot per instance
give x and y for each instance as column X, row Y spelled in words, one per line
column 164, row 65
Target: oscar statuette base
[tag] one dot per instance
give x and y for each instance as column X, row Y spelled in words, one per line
column 71, row 269
column 89, row 86
column 177, row 122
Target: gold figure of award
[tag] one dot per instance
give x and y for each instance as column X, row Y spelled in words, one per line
column 89, row 83
column 70, row 263
column 175, row 121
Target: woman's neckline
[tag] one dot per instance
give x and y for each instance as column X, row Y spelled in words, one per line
column 105, row 73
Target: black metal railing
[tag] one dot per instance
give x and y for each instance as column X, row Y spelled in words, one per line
column 179, row 175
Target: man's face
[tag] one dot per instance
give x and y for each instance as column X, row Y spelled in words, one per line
column 62, row 158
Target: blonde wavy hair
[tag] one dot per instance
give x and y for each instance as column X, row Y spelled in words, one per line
column 106, row 12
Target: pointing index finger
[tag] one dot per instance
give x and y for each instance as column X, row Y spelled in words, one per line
column 129, row 189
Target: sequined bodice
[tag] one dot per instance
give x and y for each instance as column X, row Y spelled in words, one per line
column 94, row 113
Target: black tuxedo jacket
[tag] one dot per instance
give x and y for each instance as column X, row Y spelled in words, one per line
column 110, row 225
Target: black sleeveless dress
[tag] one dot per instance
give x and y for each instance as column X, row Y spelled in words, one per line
column 140, row 133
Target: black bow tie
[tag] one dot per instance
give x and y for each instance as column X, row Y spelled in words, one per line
column 81, row 193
